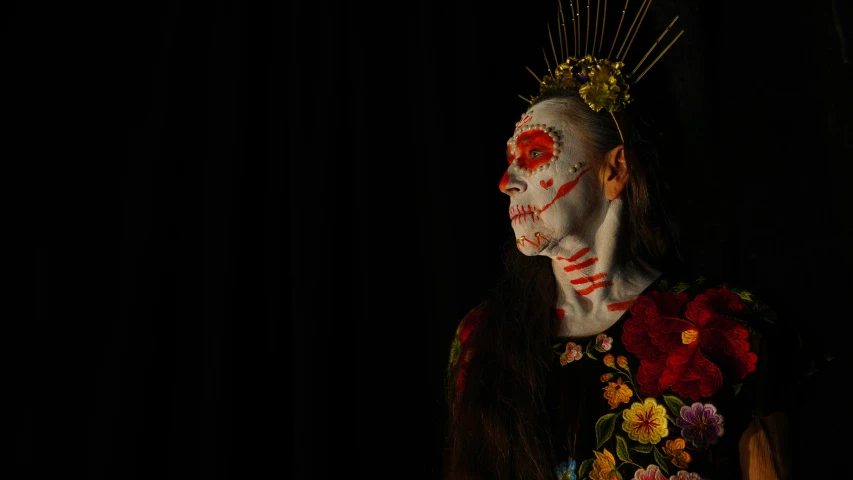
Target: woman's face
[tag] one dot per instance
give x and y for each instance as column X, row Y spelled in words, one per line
column 553, row 188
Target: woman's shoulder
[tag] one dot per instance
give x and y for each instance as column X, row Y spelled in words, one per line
column 718, row 332
column 707, row 294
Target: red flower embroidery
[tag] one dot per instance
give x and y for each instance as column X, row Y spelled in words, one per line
column 679, row 351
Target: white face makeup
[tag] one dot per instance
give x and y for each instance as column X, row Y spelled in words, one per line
column 554, row 192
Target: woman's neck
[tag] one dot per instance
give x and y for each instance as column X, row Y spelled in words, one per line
column 597, row 279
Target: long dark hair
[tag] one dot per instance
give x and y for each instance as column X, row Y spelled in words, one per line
column 498, row 429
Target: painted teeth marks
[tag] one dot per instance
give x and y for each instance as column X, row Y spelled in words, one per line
column 522, row 213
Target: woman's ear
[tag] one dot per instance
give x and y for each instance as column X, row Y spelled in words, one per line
column 615, row 173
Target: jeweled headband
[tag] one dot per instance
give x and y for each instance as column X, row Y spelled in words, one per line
column 600, row 80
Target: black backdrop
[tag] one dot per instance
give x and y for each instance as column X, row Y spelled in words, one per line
column 300, row 202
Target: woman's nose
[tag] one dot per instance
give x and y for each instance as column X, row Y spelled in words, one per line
column 512, row 182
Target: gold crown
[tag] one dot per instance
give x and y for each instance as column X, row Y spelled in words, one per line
column 600, row 81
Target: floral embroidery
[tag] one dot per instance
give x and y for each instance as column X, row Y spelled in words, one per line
column 466, row 326
column 604, row 467
column 700, row 424
column 566, row 470
column 652, row 472
column 645, row 422
column 573, row 352
column 680, row 458
column 616, row 393
column 681, row 344
column 603, row 343
column 719, row 333
column 683, row 475
column 459, row 352
column 676, row 352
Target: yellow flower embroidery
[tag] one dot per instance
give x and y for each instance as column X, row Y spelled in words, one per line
column 606, row 377
column 603, row 467
column 616, row 392
column 645, row 422
column 609, row 360
column 622, row 361
column 680, row 458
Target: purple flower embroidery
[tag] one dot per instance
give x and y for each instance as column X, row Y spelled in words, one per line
column 700, row 424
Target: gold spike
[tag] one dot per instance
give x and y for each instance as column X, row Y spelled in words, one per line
column 656, row 58
column 580, row 27
column 603, row 23
column 636, row 30
column 565, row 33
column 556, row 60
column 642, row 6
column 618, row 28
column 586, row 43
column 575, row 34
column 595, row 35
column 559, row 36
column 546, row 63
column 525, row 99
column 653, row 46
column 534, row 75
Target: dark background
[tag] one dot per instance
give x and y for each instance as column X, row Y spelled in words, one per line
column 280, row 211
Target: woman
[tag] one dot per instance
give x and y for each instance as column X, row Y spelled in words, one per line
column 597, row 356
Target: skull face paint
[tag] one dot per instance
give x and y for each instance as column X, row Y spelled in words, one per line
column 553, row 191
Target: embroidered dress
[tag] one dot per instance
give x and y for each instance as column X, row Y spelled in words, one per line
column 665, row 392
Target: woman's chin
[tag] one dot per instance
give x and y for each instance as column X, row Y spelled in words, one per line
column 530, row 251
column 530, row 245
